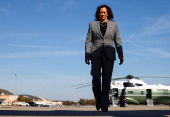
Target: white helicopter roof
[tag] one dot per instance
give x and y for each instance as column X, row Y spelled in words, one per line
column 134, row 81
column 139, row 81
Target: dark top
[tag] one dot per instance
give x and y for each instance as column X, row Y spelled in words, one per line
column 103, row 26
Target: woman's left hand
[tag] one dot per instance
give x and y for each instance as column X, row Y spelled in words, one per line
column 121, row 60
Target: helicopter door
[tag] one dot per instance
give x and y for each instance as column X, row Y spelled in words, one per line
column 115, row 96
column 115, row 93
column 149, row 97
column 148, row 93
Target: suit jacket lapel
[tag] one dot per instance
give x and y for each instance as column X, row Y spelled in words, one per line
column 108, row 28
column 97, row 26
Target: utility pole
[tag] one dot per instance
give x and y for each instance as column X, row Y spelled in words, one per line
column 15, row 87
column 43, row 92
column 66, row 100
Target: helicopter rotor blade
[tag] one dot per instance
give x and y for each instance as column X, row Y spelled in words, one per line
column 81, row 84
column 84, row 86
column 152, row 77
column 90, row 82
column 118, row 78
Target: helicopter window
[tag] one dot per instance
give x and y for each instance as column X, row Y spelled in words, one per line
column 138, row 84
column 130, row 92
column 142, row 92
column 128, row 85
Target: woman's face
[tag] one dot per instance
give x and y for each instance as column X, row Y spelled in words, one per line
column 103, row 14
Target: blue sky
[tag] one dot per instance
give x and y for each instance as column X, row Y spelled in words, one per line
column 43, row 41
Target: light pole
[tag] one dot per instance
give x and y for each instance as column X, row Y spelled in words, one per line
column 15, row 87
column 43, row 92
column 66, row 100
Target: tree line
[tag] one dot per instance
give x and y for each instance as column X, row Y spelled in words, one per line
column 67, row 102
column 81, row 101
column 23, row 99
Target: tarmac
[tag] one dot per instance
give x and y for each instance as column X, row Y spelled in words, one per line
column 86, row 111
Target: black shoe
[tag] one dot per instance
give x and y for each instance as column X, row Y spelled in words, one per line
column 98, row 106
column 104, row 110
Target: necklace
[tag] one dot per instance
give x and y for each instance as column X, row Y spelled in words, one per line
column 103, row 23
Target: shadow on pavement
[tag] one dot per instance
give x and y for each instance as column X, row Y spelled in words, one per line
column 142, row 113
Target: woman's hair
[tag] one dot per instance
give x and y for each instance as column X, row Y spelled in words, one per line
column 109, row 11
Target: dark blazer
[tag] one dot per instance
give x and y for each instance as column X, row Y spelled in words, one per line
column 95, row 40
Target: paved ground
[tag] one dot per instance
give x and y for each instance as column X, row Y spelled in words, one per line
column 86, row 111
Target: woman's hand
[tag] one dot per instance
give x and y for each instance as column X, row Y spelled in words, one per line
column 87, row 60
column 121, row 60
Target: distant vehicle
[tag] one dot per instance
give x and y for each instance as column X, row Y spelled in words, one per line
column 32, row 104
column 54, row 105
column 4, row 104
column 58, row 105
column 78, row 105
column 23, row 104
column 42, row 104
column 46, row 105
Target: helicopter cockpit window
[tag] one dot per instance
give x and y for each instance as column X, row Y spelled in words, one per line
column 138, row 84
column 130, row 92
column 128, row 84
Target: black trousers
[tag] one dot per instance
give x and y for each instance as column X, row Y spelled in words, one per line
column 101, row 93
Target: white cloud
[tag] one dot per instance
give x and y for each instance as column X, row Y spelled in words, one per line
column 158, row 52
column 162, row 25
column 132, row 35
column 145, row 51
column 4, row 10
column 35, row 46
column 155, row 26
column 62, row 5
column 41, row 54
column 79, row 38
column 68, row 4
column 68, row 77
column 44, row 4
column 30, row 34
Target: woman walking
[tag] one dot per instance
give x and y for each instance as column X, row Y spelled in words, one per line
column 99, row 48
